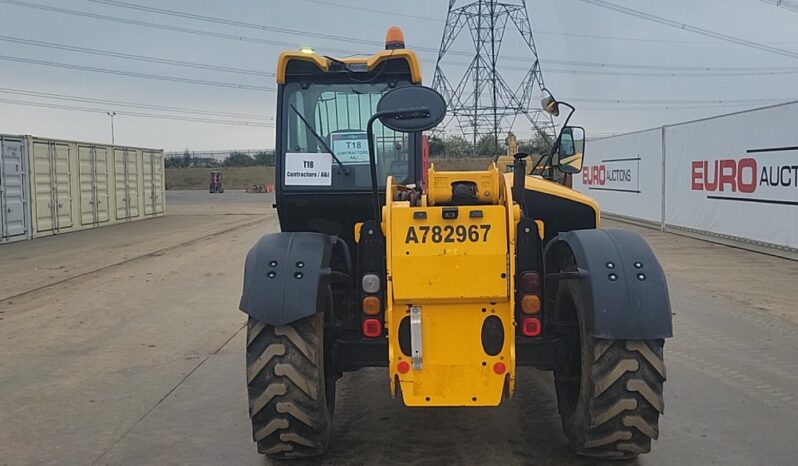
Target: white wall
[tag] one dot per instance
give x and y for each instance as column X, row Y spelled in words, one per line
column 720, row 173
column 735, row 175
column 624, row 174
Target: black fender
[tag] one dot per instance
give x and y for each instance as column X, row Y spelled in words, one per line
column 287, row 277
column 623, row 285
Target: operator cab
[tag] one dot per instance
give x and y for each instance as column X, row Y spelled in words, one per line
column 323, row 174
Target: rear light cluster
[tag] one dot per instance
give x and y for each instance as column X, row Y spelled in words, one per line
column 530, row 304
column 371, row 325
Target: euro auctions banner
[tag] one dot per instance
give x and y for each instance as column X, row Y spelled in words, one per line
column 736, row 175
column 624, row 174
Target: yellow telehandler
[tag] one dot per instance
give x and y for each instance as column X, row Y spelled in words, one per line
column 452, row 285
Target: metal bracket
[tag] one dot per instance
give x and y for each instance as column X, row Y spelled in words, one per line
column 415, row 336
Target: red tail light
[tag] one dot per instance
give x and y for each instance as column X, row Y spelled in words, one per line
column 499, row 368
column 530, row 282
column 372, row 328
column 530, row 327
column 403, row 367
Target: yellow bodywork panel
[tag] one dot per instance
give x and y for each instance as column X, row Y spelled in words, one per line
column 462, row 259
column 486, row 182
column 534, row 183
column 446, row 276
column 371, row 61
column 455, row 371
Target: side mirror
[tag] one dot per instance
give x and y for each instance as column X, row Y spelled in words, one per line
column 571, row 151
column 411, row 108
column 406, row 109
column 550, row 105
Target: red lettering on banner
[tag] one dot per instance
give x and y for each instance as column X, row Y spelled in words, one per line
column 728, row 174
column 713, row 185
column 744, row 185
column 698, row 171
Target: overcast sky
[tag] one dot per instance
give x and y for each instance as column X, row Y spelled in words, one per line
column 565, row 30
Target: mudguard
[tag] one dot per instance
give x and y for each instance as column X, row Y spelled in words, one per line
column 626, row 295
column 287, row 277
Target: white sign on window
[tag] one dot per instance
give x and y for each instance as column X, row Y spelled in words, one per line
column 351, row 148
column 308, row 169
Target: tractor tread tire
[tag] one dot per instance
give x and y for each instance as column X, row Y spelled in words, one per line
column 288, row 398
column 625, row 401
column 610, row 396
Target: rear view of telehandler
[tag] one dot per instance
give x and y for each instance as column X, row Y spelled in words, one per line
column 450, row 285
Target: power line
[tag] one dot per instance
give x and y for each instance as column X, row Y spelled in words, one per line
column 163, row 27
column 136, row 114
column 135, row 74
column 119, row 103
column 668, row 108
column 667, row 75
column 231, row 22
column 693, row 29
column 669, row 67
column 705, row 71
column 427, row 50
column 372, row 10
column 128, row 56
column 679, row 101
column 544, row 32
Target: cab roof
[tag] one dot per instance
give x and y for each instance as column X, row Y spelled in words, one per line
column 371, row 62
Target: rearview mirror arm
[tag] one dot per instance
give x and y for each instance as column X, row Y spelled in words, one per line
column 556, row 146
column 375, row 195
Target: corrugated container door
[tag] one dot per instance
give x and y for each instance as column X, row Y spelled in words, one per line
column 93, row 176
column 13, row 196
column 120, row 178
column 127, row 183
column 42, row 187
column 101, row 184
column 63, row 185
column 86, row 177
column 133, row 175
column 158, row 182
column 153, row 183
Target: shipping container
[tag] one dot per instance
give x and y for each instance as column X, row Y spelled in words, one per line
column 52, row 186
column 14, row 189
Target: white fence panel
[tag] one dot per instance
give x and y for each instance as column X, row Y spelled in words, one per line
column 736, row 175
column 624, row 174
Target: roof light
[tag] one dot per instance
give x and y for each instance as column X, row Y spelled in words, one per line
column 394, row 39
column 307, row 50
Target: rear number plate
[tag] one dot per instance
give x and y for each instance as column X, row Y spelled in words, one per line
column 447, row 234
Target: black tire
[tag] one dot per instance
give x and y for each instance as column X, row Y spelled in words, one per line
column 290, row 400
column 610, row 392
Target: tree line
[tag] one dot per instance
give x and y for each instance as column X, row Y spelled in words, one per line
column 234, row 159
column 439, row 147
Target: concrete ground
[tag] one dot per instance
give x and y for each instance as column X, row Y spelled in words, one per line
column 123, row 345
